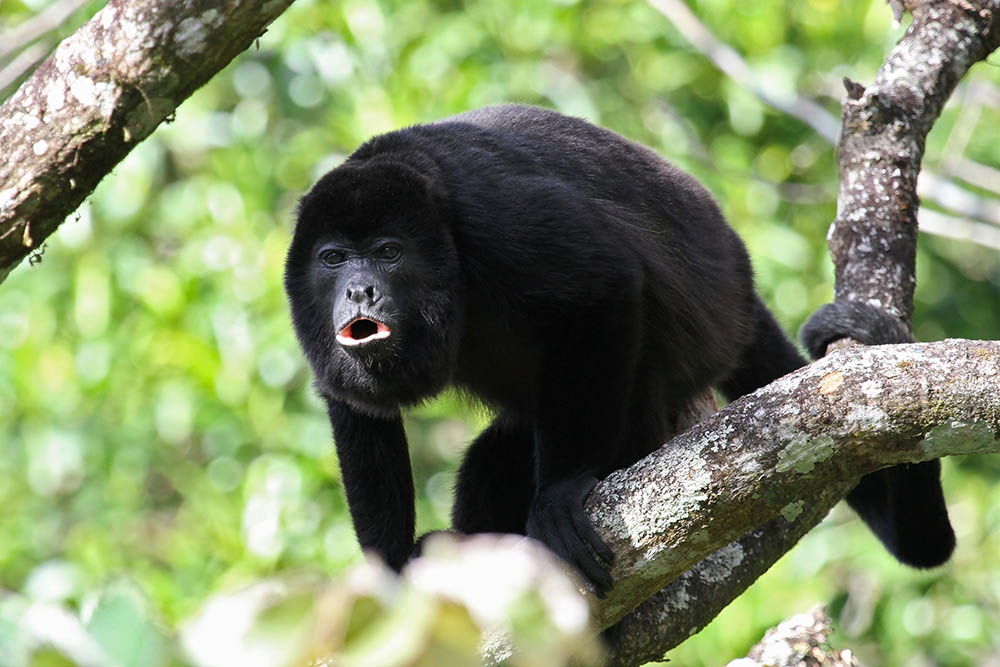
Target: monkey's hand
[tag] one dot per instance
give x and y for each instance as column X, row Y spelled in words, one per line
column 557, row 519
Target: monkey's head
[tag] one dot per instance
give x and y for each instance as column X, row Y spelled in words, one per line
column 373, row 283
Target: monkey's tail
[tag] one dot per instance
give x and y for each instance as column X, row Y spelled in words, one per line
column 903, row 505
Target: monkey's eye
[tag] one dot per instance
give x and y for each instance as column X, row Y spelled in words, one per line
column 389, row 251
column 332, row 257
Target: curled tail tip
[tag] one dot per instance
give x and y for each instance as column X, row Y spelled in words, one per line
column 851, row 319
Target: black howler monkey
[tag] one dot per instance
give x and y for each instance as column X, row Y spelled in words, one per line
column 570, row 279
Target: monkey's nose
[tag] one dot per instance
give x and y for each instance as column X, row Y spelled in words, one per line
column 360, row 294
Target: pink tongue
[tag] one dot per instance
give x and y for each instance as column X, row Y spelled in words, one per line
column 362, row 330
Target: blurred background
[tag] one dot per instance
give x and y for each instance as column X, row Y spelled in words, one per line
column 157, row 424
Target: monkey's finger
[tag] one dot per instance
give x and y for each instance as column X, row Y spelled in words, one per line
column 579, row 556
column 563, row 541
column 585, row 529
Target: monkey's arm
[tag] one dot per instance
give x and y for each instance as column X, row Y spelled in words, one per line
column 375, row 468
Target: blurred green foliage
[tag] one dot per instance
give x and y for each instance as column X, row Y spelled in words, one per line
column 156, row 417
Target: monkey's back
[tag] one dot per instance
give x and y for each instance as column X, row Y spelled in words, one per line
column 576, row 206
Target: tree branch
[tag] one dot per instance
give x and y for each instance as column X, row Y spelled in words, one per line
column 698, row 595
column 875, row 421
column 776, row 460
column 767, row 454
column 103, row 90
column 801, row 641
column 772, row 463
column 873, row 240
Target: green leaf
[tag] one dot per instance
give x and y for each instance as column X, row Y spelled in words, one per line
column 50, row 656
column 121, row 624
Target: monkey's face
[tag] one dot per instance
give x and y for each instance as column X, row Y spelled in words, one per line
column 365, row 295
column 372, row 281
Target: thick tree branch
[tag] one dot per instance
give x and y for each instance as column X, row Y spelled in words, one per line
column 698, row 595
column 786, row 453
column 103, row 90
column 767, row 454
column 873, row 240
column 772, row 463
column 944, row 40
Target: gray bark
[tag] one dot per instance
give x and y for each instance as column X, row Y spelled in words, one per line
column 772, row 463
column 873, row 240
column 801, row 641
column 103, row 90
column 794, row 446
column 873, row 244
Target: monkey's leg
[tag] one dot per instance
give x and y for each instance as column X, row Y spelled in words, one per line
column 496, row 481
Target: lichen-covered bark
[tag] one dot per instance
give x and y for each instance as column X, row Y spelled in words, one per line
column 785, row 453
column 873, row 241
column 695, row 597
column 103, row 90
column 801, row 641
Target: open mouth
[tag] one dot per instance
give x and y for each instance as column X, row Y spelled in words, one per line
column 362, row 330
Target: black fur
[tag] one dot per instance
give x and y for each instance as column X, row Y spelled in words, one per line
column 851, row 319
column 572, row 280
column 903, row 505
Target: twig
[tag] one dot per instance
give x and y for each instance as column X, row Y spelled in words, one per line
column 45, row 21
column 948, row 226
column 953, row 161
column 970, row 108
column 737, row 69
column 23, row 62
column 949, row 195
column 973, row 173
column 698, row 151
column 932, row 187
